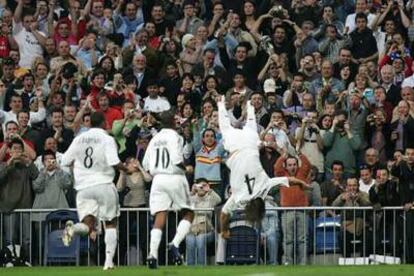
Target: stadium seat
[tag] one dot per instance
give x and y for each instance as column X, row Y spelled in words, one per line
column 327, row 234
column 55, row 251
column 243, row 245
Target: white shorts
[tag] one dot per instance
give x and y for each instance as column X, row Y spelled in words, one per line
column 169, row 191
column 100, row 201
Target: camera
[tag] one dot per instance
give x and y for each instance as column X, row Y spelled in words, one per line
column 266, row 144
column 277, row 11
column 340, row 124
column 313, row 130
column 198, row 186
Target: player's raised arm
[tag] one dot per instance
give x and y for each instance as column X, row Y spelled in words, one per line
column 251, row 117
column 223, row 116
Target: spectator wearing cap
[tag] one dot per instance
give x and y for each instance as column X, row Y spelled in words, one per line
column 29, row 39
column 273, row 70
column 154, row 102
column 190, row 23
column 191, row 53
column 273, row 98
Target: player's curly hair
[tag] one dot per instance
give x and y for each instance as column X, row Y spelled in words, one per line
column 255, row 211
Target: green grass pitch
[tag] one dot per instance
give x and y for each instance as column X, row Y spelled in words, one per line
column 377, row 270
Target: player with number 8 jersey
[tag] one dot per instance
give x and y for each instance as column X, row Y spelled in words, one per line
column 94, row 157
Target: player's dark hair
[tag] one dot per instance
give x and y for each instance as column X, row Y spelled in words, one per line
column 255, row 211
column 166, row 118
column 97, row 119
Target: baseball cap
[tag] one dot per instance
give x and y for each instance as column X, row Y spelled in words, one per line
column 269, row 86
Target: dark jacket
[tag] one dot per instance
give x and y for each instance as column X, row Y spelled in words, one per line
column 406, row 182
column 16, row 186
column 385, row 194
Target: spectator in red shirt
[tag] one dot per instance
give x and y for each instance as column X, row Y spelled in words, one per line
column 111, row 114
column 12, row 132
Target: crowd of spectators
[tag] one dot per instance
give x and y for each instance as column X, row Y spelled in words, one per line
column 331, row 83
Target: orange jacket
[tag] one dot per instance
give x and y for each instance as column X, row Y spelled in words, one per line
column 294, row 196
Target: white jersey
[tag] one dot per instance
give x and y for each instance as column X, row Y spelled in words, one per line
column 164, row 153
column 94, row 154
column 248, row 180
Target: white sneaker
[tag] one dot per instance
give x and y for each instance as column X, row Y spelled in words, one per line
column 108, row 266
column 67, row 233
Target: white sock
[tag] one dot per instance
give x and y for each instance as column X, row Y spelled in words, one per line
column 80, row 228
column 182, row 230
column 156, row 235
column 110, row 244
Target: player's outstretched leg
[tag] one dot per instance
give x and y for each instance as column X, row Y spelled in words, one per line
column 155, row 239
column 111, row 240
column 72, row 229
column 182, row 230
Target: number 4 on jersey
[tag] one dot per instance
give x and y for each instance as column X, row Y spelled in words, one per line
column 250, row 183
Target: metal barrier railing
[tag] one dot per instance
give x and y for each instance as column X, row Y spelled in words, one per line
column 299, row 235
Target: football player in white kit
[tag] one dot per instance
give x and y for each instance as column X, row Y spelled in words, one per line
column 94, row 155
column 248, row 180
column 165, row 162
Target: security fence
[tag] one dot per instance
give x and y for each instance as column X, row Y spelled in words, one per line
column 288, row 236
